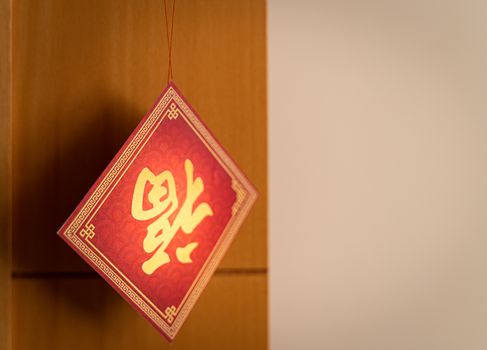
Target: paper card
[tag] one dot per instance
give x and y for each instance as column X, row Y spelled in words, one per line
column 160, row 217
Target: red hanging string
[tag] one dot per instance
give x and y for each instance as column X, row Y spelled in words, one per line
column 169, row 39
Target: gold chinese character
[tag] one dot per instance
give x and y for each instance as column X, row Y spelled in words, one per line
column 164, row 201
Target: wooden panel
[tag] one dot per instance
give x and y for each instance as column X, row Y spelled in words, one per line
column 5, row 195
column 87, row 314
column 84, row 74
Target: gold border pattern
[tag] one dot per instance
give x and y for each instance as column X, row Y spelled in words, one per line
column 240, row 195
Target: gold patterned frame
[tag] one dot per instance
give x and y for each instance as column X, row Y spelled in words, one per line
column 80, row 230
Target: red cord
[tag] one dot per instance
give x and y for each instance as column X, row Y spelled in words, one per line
column 169, row 39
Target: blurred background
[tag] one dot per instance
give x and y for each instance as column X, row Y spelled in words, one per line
column 378, row 174
column 364, row 121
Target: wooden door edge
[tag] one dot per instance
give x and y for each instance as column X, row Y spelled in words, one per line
column 5, row 173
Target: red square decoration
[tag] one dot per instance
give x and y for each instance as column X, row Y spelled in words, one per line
column 160, row 217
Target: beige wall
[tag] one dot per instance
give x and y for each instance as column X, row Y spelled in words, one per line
column 378, row 174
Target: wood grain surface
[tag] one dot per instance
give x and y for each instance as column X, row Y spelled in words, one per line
column 84, row 73
column 5, row 178
column 88, row 314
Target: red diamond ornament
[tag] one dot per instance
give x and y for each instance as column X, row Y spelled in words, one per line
column 160, row 217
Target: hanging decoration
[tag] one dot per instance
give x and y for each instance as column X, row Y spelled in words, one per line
column 160, row 217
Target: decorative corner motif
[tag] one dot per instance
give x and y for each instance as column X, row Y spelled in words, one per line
column 170, row 312
column 88, row 232
column 172, row 112
column 240, row 192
